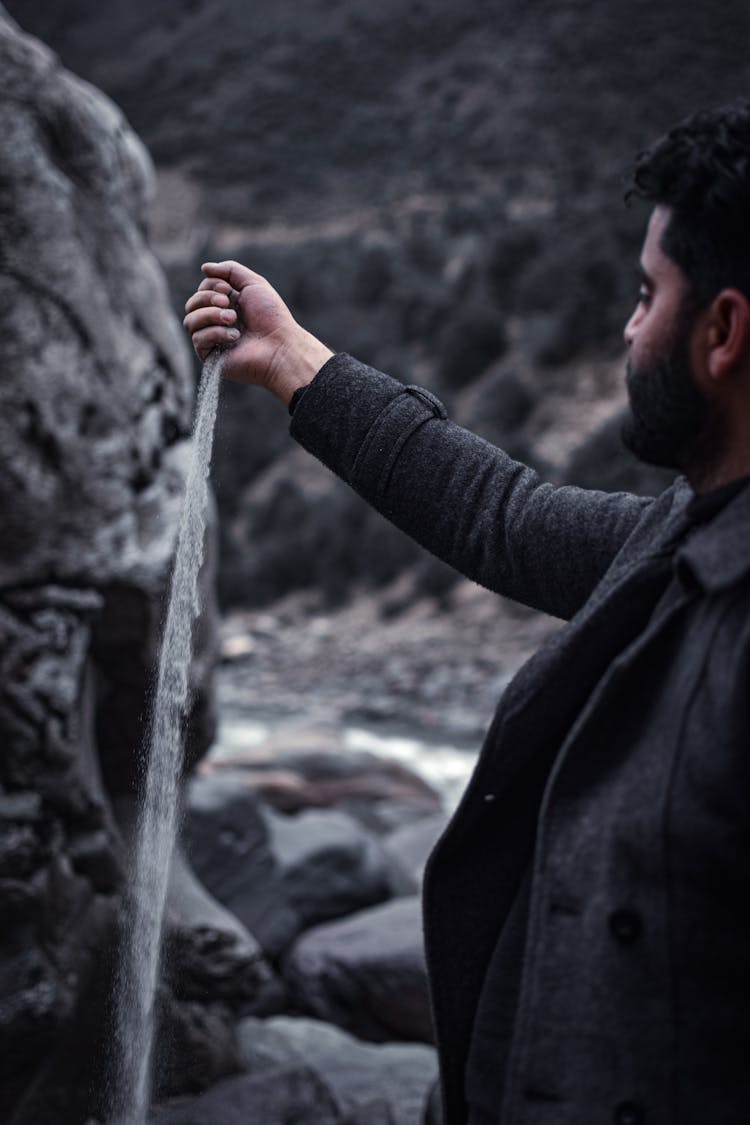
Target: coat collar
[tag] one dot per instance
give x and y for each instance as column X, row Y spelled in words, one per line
column 717, row 554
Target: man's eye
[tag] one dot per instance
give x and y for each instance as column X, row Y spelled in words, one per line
column 644, row 295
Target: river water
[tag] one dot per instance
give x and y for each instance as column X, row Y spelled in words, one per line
column 441, row 762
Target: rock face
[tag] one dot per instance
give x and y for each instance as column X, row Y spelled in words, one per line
column 410, row 846
column 280, row 874
column 95, row 375
column 95, row 405
column 96, row 390
column 366, row 973
column 293, row 1093
column 395, row 1077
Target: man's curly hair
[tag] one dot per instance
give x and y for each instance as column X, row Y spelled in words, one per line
column 701, row 170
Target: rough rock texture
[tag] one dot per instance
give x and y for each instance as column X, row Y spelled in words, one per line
column 68, row 1079
column 196, row 1045
column 279, row 874
column 401, row 1073
column 209, row 954
column 95, row 405
column 58, row 845
column 365, row 973
column 94, row 373
column 96, row 389
column 281, row 1094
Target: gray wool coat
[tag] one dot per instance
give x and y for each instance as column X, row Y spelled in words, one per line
column 617, row 764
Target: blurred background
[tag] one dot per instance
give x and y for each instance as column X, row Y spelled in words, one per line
column 435, row 188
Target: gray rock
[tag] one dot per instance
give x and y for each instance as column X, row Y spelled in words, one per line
column 97, row 392
column 384, row 817
column 365, row 973
column 291, row 1094
column 96, row 371
column 57, row 843
column 97, row 387
column 392, row 1079
column 373, row 1112
column 196, row 1045
column 291, row 779
column 279, row 874
column 210, row 955
column 60, row 1075
column 409, row 847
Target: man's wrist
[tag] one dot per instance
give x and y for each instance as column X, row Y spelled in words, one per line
column 298, row 367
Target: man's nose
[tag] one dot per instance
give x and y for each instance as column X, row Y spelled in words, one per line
column 628, row 332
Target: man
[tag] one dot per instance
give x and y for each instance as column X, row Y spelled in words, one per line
column 586, row 916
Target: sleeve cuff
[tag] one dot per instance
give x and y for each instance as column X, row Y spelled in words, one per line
column 356, row 419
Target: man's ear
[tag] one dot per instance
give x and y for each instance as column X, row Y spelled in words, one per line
column 727, row 333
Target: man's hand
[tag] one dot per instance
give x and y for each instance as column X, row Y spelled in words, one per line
column 237, row 310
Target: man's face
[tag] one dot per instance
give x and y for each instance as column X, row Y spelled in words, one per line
column 669, row 416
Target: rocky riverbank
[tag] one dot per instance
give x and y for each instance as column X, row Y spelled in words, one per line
column 463, row 231
column 337, row 1026
column 317, row 845
column 433, row 664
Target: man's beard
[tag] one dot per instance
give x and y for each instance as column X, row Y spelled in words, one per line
column 671, row 423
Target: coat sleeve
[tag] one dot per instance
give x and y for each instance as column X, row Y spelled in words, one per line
column 465, row 500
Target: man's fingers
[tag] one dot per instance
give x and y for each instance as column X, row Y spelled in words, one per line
column 235, row 273
column 207, row 316
column 218, row 286
column 206, row 297
column 207, row 339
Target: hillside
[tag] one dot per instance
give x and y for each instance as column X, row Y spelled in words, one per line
column 435, row 188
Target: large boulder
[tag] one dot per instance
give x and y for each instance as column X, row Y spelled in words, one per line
column 396, row 1077
column 279, row 874
column 365, row 973
column 59, row 851
column 96, row 393
column 409, row 846
column 209, row 954
column 282, row 1094
column 295, row 771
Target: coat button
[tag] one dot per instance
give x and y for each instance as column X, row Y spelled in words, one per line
column 625, row 925
column 630, row 1113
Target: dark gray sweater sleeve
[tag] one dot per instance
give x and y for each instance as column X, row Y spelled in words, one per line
column 465, row 500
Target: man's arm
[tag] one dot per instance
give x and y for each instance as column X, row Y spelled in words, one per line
column 460, row 497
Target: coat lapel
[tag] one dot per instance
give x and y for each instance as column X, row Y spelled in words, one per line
column 550, row 690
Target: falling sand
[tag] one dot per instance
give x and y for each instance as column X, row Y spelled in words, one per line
column 158, row 816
